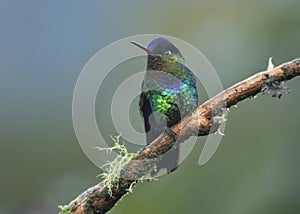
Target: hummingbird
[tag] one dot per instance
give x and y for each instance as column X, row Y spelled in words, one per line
column 168, row 94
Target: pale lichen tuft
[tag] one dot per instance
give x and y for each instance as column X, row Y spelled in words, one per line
column 64, row 209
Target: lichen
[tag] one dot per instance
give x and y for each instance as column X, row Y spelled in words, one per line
column 113, row 169
column 219, row 118
column 275, row 87
column 272, row 85
column 64, row 209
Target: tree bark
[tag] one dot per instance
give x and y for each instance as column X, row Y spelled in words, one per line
column 203, row 121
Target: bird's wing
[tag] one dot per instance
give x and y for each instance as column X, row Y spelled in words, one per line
column 146, row 112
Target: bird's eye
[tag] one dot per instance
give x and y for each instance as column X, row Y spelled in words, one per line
column 167, row 53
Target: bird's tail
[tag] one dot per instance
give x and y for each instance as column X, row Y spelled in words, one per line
column 169, row 160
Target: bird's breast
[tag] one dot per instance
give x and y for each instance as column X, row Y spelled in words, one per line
column 163, row 81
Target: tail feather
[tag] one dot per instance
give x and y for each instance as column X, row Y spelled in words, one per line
column 169, row 160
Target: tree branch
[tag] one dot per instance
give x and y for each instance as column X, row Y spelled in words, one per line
column 201, row 122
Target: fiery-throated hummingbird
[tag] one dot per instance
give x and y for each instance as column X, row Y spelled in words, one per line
column 168, row 94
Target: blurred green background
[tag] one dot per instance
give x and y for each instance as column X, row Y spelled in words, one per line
column 45, row 44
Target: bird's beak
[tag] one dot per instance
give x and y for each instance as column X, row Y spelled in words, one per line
column 142, row 47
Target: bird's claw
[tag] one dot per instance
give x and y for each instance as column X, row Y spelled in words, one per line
column 171, row 133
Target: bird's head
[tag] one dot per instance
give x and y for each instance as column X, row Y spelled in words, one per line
column 161, row 46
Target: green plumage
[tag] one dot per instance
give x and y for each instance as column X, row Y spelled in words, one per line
column 168, row 93
column 170, row 87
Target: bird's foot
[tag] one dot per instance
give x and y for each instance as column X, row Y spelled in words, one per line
column 171, row 133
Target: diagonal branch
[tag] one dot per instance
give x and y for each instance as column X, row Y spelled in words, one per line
column 201, row 122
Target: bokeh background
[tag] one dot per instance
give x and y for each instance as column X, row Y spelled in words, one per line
column 43, row 48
